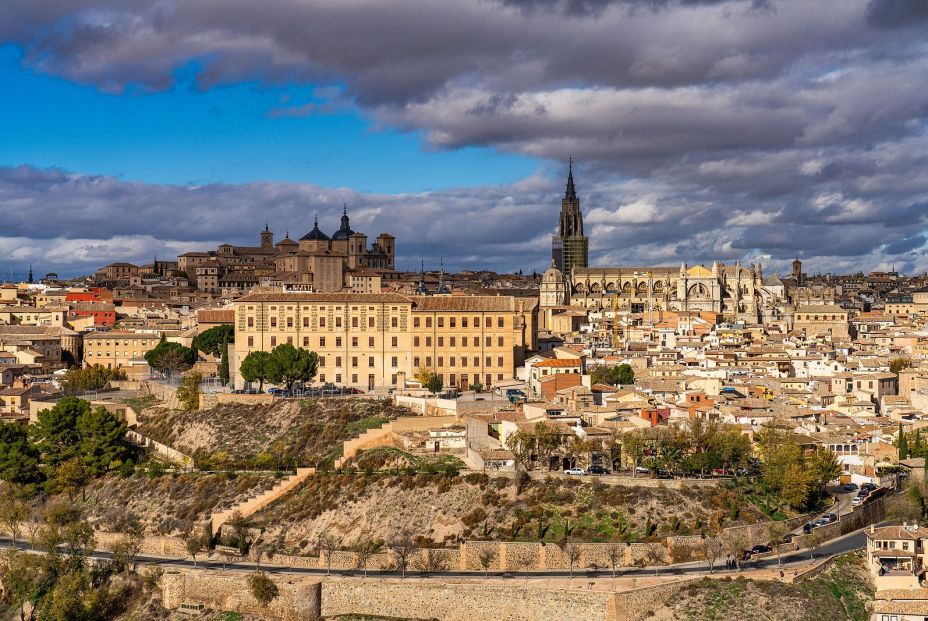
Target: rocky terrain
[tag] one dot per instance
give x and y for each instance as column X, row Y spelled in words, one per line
column 841, row 593
column 168, row 504
column 435, row 505
column 307, row 432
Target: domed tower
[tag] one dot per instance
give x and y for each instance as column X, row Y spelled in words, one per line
column 554, row 291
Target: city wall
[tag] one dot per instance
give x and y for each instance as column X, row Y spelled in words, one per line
column 306, row 598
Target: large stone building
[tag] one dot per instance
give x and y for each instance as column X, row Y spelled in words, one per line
column 372, row 340
column 316, row 262
column 570, row 247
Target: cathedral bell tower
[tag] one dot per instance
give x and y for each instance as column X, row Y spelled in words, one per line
column 570, row 247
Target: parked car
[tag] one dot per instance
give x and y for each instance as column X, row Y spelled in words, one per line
column 856, row 500
column 598, row 470
column 577, row 471
column 807, row 527
column 869, row 486
column 760, row 549
column 850, row 487
column 831, row 517
column 642, row 470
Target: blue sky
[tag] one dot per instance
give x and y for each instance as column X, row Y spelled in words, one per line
column 227, row 134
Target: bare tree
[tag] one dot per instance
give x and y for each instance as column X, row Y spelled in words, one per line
column 194, row 542
column 402, row 547
column 328, row 545
column 735, row 541
column 814, row 540
column 12, row 511
column 712, row 546
column 656, row 556
column 572, row 551
column 778, row 532
column 364, row 548
column 615, row 559
column 486, row 557
column 433, row 560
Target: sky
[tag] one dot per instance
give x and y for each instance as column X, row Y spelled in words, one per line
column 701, row 130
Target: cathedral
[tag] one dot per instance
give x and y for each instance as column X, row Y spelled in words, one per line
column 736, row 292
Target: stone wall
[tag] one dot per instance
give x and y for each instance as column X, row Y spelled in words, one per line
column 639, row 604
column 162, row 450
column 208, row 401
column 864, row 515
column 676, row 484
column 298, row 597
column 157, row 545
column 464, row 601
column 162, row 392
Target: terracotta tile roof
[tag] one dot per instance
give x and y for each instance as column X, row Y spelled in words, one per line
column 488, row 303
column 342, row 298
column 557, row 362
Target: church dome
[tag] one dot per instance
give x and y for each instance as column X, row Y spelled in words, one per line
column 344, row 232
column 315, row 234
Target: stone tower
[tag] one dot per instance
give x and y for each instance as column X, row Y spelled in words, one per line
column 570, row 247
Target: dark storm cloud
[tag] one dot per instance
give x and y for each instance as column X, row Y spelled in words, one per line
column 897, row 13
column 731, row 129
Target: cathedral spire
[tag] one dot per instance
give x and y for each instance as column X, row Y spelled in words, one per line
column 571, row 193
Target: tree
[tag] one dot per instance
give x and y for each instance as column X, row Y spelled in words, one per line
column 486, row 557
column 289, row 364
column 189, row 391
column 402, row 547
column 897, row 364
column 735, row 541
column 128, row 547
column 78, row 380
column 12, row 510
column 256, row 368
column 55, row 433
column 102, row 441
column 328, row 545
column 194, row 542
column 224, row 364
column 613, row 375
column 615, row 559
column 814, row 541
column 434, row 383
column 19, row 459
column 242, row 528
column 20, row 576
column 170, row 358
column 262, row 588
column 215, row 340
column 70, row 476
column 572, row 551
column 902, row 444
column 364, row 548
column 712, row 547
column 778, row 532
column 433, row 560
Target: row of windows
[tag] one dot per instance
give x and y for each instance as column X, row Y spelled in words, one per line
column 125, row 343
column 453, row 361
column 452, row 322
column 371, row 361
column 452, row 341
column 450, row 379
column 819, row 318
column 102, row 354
column 355, row 342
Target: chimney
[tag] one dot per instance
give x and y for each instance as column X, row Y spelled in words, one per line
column 873, row 528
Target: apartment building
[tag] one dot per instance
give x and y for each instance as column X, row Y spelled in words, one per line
column 366, row 340
column 117, row 348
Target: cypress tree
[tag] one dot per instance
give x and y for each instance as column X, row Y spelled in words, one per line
column 224, row 362
column 902, row 444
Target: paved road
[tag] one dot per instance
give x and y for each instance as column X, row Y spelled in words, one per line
column 843, row 545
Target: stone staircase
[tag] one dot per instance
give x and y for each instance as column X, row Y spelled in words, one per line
column 255, row 503
column 378, row 436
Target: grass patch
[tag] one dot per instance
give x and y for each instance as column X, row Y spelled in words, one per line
column 140, row 403
column 371, row 422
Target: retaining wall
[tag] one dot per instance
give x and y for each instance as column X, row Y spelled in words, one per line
column 162, row 450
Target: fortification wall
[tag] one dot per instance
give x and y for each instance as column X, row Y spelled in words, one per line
column 464, row 601
column 298, row 597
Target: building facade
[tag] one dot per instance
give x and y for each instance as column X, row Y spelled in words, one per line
column 370, row 341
